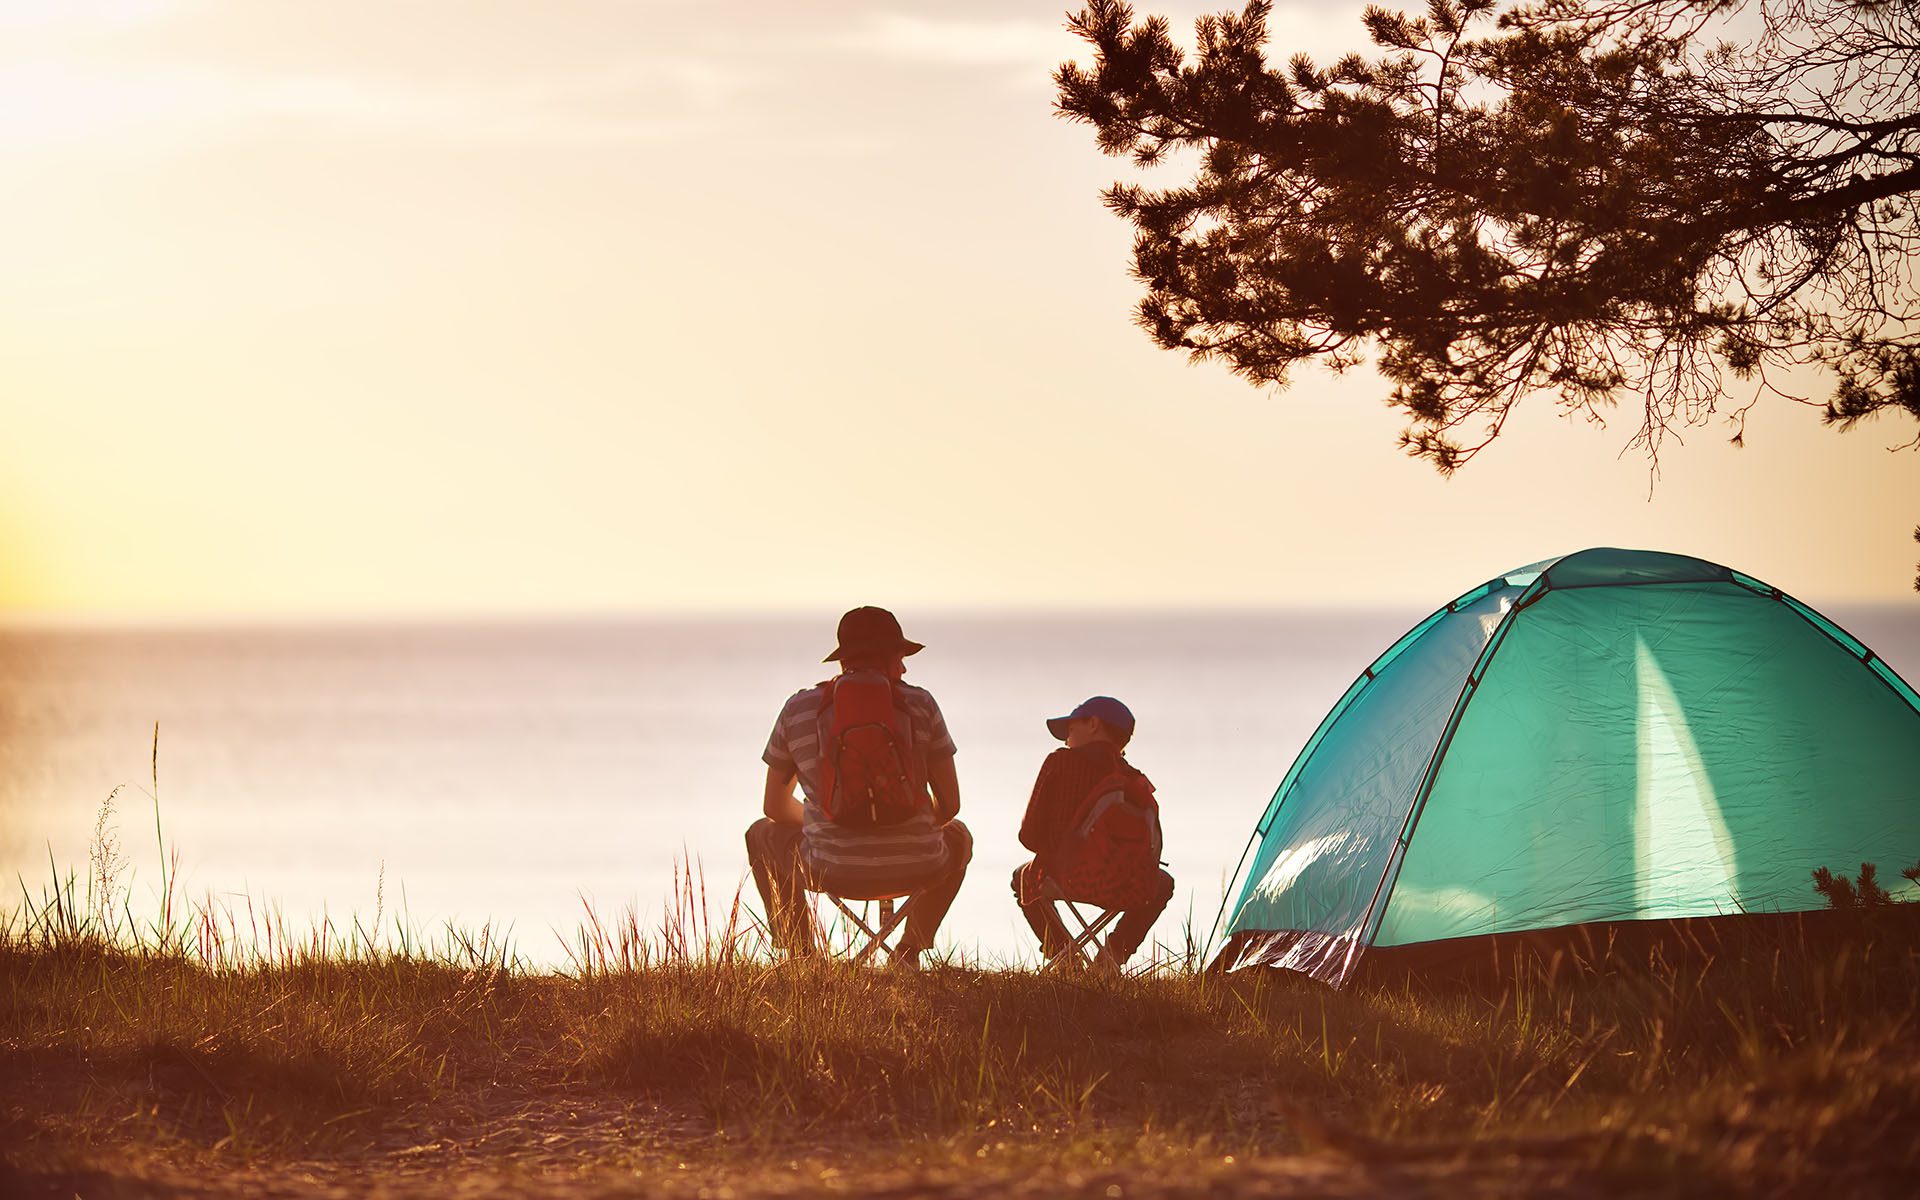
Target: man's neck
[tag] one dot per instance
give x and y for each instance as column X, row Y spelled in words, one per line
column 892, row 671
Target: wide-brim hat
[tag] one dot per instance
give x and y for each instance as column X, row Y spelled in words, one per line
column 869, row 632
column 1115, row 715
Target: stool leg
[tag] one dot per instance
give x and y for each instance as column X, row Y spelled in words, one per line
column 872, row 937
column 859, row 921
column 1077, row 952
column 877, row 936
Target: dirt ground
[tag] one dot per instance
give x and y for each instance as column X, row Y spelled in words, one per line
column 573, row 1143
column 565, row 1168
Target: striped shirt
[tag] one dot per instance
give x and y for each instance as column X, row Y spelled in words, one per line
column 850, row 854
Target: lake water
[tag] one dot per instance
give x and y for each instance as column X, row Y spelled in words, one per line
column 503, row 772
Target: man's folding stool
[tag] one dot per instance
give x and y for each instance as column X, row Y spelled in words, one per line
column 1086, row 938
column 873, row 934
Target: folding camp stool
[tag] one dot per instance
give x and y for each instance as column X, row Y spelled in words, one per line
column 1086, row 942
column 873, row 934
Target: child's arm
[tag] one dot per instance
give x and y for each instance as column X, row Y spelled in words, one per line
column 1040, row 828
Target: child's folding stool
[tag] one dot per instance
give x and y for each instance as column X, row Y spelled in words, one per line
column 1086, row 941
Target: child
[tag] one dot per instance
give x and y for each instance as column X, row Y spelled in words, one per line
column 1094, row 829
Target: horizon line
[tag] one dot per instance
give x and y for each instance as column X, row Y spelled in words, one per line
column 28, row 620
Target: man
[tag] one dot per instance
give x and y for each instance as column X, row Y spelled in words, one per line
column 797, row 845
column 1116, row 867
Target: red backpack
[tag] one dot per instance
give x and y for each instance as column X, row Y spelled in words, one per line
column 868, row 771
column 1114, row 837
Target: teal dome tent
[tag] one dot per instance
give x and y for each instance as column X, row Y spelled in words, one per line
column 1616, row 735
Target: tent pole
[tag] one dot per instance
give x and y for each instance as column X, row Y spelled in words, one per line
column 1206, row 950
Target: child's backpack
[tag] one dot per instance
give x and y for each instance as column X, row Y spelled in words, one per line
column 868, row 772
column 1113, row 839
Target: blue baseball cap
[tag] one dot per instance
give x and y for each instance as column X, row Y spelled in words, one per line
column 1111, row 712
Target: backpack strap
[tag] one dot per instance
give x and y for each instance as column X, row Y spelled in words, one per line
column 909, row 746
column 1090, row 807
column 825, row 771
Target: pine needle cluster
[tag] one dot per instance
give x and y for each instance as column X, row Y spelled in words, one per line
column 1862, row 892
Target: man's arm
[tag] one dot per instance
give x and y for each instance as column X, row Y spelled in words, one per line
column 780, row 803
column 945, row 782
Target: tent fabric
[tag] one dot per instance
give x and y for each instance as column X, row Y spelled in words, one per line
column 1611, row 736
column 1333, row 827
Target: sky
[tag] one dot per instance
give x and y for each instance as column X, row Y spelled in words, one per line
column 477, row 307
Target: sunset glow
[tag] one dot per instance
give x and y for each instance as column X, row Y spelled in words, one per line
column 458, row 308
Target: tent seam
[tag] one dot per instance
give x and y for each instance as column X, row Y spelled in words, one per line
column 1383, row 891
column 1866, row 658
column 1806, row 612
column 1347, row 700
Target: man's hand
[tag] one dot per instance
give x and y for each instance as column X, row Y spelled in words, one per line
column 945, row 783
column 780, row 804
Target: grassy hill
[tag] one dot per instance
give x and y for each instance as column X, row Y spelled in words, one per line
column 184, row 1064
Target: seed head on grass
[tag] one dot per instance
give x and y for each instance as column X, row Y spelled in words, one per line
column 106, row 865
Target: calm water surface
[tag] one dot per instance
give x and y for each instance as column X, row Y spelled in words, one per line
column 505, row 772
